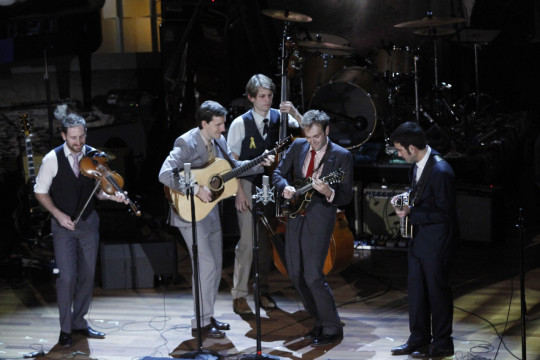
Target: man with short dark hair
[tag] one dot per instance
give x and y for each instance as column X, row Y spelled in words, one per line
column 63, row 191
column 198, row 147
column 307, row 237
column 432, row 213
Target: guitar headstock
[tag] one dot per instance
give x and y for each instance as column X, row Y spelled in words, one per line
column 25, row 124
column 334, row 177
column 283, row 144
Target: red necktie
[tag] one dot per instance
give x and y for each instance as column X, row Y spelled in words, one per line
column 311, row 165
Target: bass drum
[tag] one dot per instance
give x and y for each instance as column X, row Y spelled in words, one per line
column 350, row 100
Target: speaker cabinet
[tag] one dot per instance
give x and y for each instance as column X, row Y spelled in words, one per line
column 477, row 215
column 378, row 214
column 133, row 266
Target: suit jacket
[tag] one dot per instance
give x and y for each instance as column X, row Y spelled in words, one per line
column 320, row 212
column 191, row 148
column 434, row 214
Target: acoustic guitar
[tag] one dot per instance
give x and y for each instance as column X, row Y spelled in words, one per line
column 215, row 176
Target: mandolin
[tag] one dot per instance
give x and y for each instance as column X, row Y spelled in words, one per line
column 304, row 191
column 405, row 229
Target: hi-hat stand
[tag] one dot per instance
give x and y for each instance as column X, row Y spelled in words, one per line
column 264, row 196
column 186, row 184
column 522, row 286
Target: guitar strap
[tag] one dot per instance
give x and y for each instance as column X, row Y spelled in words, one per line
column 419, row 188
column 225, row 155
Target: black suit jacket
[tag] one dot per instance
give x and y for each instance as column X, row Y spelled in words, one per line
column 434, row 214
column 320, row 212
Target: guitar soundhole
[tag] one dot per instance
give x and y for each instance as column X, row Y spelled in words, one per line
column 216, row 183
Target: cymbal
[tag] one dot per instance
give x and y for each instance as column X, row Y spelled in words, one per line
column 434, row 32
column 314, row 44
column 286, row 15
column 431, row 21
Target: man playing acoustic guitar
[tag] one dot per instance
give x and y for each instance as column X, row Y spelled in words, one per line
column 199, row 147
column 307, row 237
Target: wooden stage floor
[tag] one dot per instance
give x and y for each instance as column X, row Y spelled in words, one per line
column 371, row 295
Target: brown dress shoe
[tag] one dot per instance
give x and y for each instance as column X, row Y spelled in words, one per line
column 209, row 331
column 241, row 307
column 266, row 301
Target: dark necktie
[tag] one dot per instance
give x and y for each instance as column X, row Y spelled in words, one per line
column 265, row 129
column 415, row 170
column 311, row 165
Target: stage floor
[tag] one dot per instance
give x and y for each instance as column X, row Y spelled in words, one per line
column 371, row 296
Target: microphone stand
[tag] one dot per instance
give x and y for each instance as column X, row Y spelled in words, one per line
column 186, row 184
column 522, row 286
column 264, row 195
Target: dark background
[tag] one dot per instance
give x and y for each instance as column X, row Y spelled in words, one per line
column 209, row 49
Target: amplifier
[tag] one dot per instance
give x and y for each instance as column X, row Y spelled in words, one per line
column 379, row 217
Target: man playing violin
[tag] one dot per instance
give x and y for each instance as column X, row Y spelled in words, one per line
column 249, row 135
column 63, row 191
column 307, row 237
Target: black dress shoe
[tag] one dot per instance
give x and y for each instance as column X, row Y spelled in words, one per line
column 327, row 339
column 64, row 339
column 432, row 351
column 90, row 333
column 220, row 325
column 407, row 348
column 209, row 331
column 314, row 333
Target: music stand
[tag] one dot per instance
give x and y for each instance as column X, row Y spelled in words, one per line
column 186, row 184
column 265, row 196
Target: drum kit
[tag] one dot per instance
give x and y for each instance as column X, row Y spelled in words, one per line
column 357, row 97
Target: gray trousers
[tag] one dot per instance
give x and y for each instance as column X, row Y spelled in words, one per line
column 243, row 258
column 210, row 255
column 305, row 251
column 76, row 254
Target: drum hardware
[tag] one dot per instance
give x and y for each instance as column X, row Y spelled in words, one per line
column 430, row 21
column 320, row 45
column 478, row 38
column 434, row 32
column 286, row 15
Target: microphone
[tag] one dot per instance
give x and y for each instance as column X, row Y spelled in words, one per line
column 264, row 195
column 187, row 179
column 265, row 189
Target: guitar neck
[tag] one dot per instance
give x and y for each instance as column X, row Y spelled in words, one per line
column 30, row 158
column 242, row 169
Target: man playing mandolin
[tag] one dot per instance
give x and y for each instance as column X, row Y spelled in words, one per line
column 63, row 191
column 307, row 236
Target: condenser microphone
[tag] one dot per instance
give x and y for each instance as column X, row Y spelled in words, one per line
column 187, row 178
column 267, row 193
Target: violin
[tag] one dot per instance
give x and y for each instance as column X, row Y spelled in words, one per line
column 96, row 167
